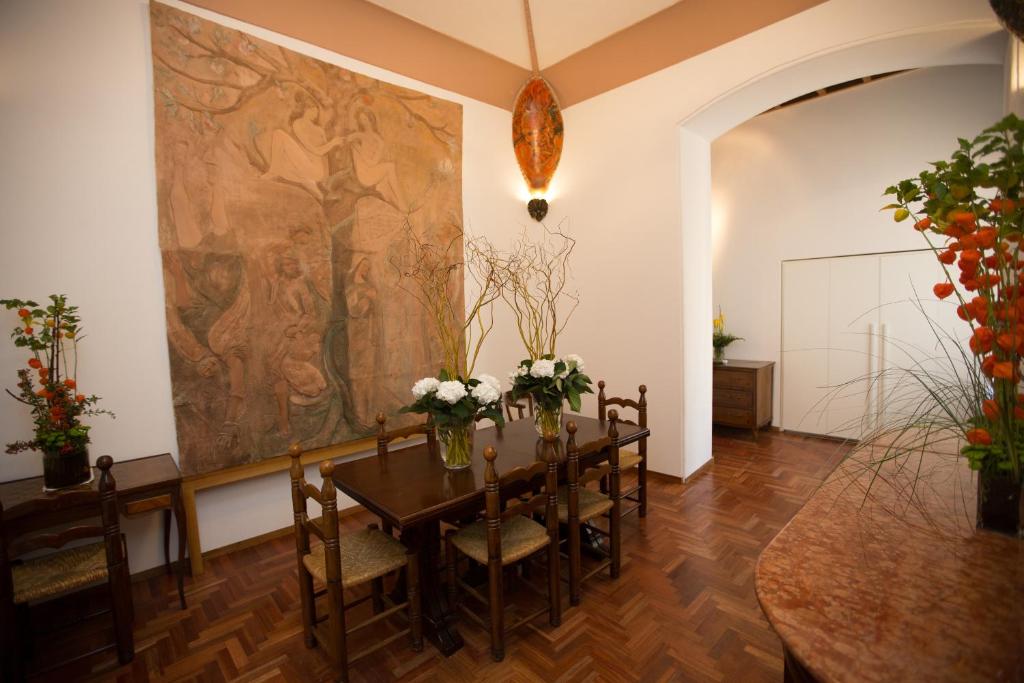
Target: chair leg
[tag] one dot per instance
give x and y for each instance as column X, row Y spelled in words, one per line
column 412, row 581
column 10, row 653
column 575, row 568
column 496, row 603
column 554, row 584
column 308, row 602
column 336, row 628
column 641, row 475
column 615, row 536
column 377, row 588
column 121, row 610
column 451, row 560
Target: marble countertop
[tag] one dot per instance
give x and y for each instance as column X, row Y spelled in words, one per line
column 885, row 578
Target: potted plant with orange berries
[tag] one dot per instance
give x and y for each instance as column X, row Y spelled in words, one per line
column 970, row 209
column 48, row 386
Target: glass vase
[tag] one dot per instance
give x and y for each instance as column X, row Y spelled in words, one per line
column 547, row 420
column 719, row 354
column 64, row 470
column 456, row 446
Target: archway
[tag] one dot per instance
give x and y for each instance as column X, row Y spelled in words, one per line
column 961, row 43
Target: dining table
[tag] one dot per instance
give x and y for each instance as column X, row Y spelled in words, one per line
column 411, row 490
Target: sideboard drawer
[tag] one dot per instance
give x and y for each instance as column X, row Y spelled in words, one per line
column 733, row 417
column 731, row 398
column 734, row 379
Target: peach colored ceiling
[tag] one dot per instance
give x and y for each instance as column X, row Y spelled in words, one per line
column 560, row 27
column 364, row 30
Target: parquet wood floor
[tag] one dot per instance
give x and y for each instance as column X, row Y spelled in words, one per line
column 683, row 610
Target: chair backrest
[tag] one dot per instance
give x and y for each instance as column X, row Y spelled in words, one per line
column 326, row 528
column 32, row 528
column 547, row 468
column 523, row 406
column 639, row 405
column 385, row 437
column 576, row 476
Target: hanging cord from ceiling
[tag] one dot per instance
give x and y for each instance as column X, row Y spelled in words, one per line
column 529, row 35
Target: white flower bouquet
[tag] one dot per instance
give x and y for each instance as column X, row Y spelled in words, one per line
column 454, row 406
column 551, row 381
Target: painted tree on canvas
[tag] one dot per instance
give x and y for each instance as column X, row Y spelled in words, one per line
column 286, row 187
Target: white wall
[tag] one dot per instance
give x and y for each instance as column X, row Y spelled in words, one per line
column 79, row 217
column 807, row 181
column 622, row 177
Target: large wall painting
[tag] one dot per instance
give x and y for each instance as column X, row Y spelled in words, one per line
column 287, row 189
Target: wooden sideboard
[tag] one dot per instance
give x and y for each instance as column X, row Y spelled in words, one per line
column 742, row 394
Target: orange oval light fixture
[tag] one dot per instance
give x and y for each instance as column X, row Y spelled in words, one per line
column 537, row 133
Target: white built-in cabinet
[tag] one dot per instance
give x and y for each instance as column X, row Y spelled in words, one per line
column 844, row 320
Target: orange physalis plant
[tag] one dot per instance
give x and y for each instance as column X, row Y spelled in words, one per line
column 970, row 210
column 50, row 335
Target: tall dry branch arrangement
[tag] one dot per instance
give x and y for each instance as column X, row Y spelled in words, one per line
column 537, row 289
column 436, row 275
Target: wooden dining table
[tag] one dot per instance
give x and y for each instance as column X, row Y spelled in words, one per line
column 410, row 489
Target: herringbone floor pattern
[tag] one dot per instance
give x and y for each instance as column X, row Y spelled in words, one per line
column 683, row 610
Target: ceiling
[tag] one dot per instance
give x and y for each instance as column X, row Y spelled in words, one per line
column 560, row 27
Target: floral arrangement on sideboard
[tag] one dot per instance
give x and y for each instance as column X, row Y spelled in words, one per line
column 48, row 385
column 720, row 339
column 970, row 210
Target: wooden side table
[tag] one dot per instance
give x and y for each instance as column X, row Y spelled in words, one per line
column 742, row 394
column 144, row 485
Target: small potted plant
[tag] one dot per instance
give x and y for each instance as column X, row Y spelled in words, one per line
column 720, row 339
column 51, row 335
column 454, row 405
column 551, row 381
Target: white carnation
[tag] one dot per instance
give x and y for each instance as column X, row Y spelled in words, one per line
column 451, row 392
column 424, row 387
column 573, row 358
column 485, row 394
column 543, row 368
column 490, row 381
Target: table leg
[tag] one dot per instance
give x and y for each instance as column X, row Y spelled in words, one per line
column 179, row 517
column 438, row 621
column 167, row 539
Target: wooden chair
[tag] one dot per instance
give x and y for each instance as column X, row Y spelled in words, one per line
column 523, row 407
column 341, row 562
column 578, row 506
column 385, row 436
column 628, row 460
column 25, row 581
column 506, row 537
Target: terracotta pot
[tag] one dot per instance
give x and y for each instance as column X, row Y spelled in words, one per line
column 999, row 503
column 63, row 470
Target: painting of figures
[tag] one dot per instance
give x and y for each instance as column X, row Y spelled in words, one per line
column 288, row 188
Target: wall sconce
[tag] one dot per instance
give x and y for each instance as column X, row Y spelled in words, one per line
column 538, row 208
column 537, row 133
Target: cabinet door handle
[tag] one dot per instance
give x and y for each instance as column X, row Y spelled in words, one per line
column 880, row 400
column 869, row 413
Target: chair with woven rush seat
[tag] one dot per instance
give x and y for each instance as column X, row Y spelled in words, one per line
column 503, row 538
column 578, row 506
column 25, row 581
column 627, row 459
column 523, row 407
column 342, row 562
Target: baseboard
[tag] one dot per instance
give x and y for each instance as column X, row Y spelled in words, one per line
column 667, row 478
column 146, row 574
column 699, row 471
